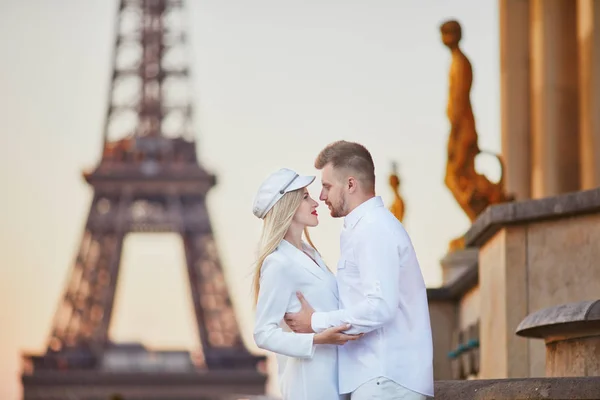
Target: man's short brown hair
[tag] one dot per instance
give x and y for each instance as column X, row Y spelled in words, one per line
column 352, row 157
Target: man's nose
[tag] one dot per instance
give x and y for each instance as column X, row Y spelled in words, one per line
column 322, row 196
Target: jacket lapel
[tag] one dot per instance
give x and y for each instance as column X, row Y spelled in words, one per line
column 320, row 271
column 301, row 259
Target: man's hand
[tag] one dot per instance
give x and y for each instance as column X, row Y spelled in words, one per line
column 300, row 322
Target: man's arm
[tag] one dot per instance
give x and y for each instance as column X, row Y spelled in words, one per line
column 379, row 261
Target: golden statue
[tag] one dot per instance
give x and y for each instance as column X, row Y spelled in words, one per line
column 473, row 192
column 397, row 207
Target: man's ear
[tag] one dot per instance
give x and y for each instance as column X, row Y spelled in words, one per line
column 352, row 184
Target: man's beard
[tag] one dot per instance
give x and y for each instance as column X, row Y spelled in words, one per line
column 339, row 210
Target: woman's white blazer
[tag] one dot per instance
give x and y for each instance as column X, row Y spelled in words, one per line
column 306, row 371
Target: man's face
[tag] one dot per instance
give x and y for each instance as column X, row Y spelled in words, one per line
column 333, row 193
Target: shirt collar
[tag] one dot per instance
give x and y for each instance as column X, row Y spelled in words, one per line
column 355, row 215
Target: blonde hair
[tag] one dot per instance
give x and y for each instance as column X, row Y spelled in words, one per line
column 275, row 226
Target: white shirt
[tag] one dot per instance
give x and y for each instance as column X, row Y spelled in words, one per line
column 382, row 294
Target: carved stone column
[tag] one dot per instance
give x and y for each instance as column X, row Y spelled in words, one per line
column 588, row 36
column 554, row 97
column 514, row 96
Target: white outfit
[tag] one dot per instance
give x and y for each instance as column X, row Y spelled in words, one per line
column 306, row 371
column 383, row 388
column 382, row 294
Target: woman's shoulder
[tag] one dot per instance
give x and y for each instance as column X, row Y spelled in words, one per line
column 274, row 262
column 275, row 257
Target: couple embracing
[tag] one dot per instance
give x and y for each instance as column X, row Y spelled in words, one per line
column 363, row 334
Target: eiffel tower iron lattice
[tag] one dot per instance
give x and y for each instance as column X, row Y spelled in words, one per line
column 148, row 180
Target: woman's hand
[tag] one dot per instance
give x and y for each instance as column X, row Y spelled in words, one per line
column 335, row 335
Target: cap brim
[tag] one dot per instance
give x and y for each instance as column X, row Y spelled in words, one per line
column 300, row 182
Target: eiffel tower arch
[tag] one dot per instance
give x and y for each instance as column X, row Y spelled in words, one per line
column 148, row 180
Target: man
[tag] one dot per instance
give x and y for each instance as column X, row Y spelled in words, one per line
column 381, row 288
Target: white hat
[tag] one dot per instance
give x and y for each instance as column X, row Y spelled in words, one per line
column 275, row 186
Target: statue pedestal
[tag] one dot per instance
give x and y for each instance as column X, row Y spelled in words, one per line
column 456, row 263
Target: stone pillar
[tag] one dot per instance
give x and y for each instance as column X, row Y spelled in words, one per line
column 554, row 97
column 514, row 96
column 503, row 304
column 572, row 336
column 588, row 35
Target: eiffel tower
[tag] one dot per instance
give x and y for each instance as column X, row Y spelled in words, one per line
column 148, row 180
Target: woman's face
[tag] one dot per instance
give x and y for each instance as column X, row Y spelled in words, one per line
column 306, row 214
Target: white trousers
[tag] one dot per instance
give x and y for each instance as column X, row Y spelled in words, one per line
column 384, row 389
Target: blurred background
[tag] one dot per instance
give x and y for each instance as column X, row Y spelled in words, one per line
column 272, row 83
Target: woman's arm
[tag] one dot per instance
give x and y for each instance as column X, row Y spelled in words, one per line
column 273, row 298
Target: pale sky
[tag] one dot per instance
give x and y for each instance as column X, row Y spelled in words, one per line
column 273, row 82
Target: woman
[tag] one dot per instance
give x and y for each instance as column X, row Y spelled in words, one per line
column 286, row 265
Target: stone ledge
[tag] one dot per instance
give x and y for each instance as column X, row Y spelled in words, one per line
column 454, row 290
column 245, row 397
column 500, row 215
column 578, row 388
column 99, row 378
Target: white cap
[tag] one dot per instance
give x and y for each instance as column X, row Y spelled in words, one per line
column 275, row 186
